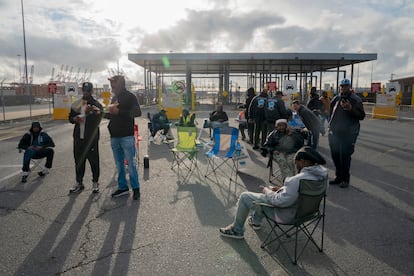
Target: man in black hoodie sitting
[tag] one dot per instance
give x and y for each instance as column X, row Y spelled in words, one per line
column 36, row 144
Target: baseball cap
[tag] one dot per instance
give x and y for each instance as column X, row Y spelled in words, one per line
column 345, row 82
column 87, row 87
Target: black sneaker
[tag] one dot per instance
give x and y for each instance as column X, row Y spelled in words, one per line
column 230, row 233
column 78, row 188
column 344, row 184
column 43, row 173
column 137, row 194
column 336, row 181
column 24, row 178
column 119, row 193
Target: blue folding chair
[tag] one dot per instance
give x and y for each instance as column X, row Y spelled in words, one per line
column 221, row 158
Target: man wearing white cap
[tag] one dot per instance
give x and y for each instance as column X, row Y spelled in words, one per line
column 282, row 143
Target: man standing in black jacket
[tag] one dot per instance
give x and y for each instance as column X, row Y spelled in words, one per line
column 346, row 111
column 257, row 115
column 86, row 114
column 122, row 112
column 250, row 123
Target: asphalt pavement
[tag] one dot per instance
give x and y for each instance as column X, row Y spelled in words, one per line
column 173, row 228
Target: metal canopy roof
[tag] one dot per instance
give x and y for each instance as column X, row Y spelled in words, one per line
column 216, row 63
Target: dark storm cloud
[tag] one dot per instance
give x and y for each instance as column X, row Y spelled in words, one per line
column 96, row 53
column 307, row 40
column 201, row 29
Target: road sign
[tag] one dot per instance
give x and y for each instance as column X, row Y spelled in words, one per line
column 52, row 88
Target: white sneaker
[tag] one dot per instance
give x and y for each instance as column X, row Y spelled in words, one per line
column 151, row 139
column 95, row 187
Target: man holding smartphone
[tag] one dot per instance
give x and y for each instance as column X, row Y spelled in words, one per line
column 86, row 114
column 346, row 110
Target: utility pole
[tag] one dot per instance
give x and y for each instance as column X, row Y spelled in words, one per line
column 27, row 90
column 2, row 100
column 20, row 70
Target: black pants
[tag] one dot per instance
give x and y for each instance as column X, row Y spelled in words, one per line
column 260, row 127
column 270, row 126
column 250, row 131
column 83, row 150
column 342, row 147
column 313, row 138
column 242, row 128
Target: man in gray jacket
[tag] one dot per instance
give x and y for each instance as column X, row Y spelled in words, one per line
column 311, row 122
column 309, row 165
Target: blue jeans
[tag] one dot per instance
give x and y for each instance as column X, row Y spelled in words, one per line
column 246, row 202
column 123, row 148
column 37, row 154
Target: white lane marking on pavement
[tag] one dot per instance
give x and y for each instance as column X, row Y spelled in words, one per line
column 9, row 176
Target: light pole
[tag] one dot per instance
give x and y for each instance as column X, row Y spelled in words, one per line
column 357, row 80
column 2, row 100
column 27, row 90
column 20, row 70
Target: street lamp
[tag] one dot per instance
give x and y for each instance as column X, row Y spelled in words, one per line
column 20, row 70
column 2, row 100
column 27, row 90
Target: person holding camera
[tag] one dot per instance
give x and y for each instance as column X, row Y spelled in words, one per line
column 346, row 110
column 311, row 122
column 86, row 114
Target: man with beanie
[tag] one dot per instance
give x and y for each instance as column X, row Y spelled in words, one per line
column 86, row 114
column 36, row 144
column 122, row 111
column 309, row 165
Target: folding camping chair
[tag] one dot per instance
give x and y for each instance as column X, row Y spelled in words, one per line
column 277, row 173
column 220, row 157
column 35, row 164
column 274, row 171
column 307, row 218
column 159, row 137
column 185, row 153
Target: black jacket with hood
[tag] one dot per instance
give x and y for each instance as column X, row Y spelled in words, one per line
column 41, row 138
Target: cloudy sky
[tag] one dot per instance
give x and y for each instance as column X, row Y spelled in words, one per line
column 97, row 35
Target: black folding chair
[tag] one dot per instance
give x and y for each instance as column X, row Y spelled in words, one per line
column 309, row 214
